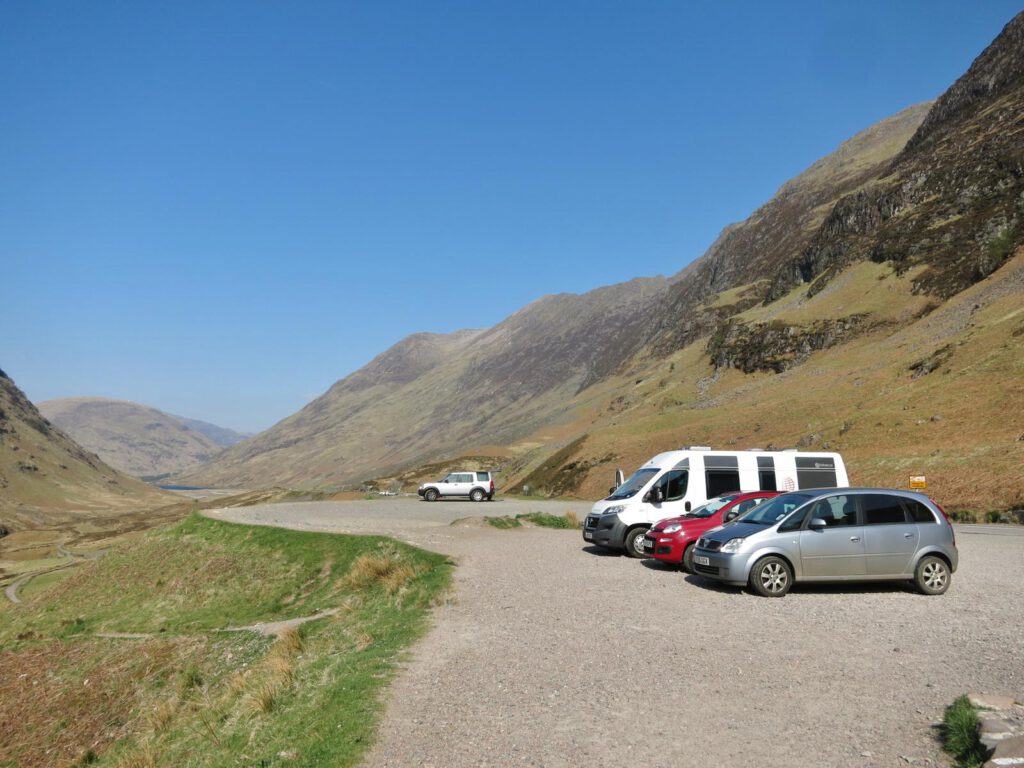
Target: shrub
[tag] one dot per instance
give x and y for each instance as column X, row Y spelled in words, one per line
column 959, row 732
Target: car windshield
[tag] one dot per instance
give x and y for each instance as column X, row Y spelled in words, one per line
column 707, row 510
column 636, row 481
column 774, row 510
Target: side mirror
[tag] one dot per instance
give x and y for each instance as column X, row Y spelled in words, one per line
column 731, row 515
column 816, row 523
column 688, row 506
column 611, row 490
column 657, row 495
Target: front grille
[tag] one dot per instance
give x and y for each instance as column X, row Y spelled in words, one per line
column 710, row 570
column 709, row 544
column 664, row 550
column 592, row 522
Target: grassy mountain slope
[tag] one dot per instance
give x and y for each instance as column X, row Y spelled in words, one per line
column 136, row 439
column 47, row 478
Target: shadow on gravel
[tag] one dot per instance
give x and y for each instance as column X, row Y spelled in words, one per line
column 836, row 588
column 660, row 565
column 602, row 552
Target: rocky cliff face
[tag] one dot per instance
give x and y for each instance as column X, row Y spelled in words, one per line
column 951, row 202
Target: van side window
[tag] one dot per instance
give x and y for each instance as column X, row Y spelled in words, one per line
column 919, row 513
column 816, row 471
column 721, row 481
column 766, row 473
column 880, row 509
column 674, row 483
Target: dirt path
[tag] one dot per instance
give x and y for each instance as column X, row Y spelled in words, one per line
column 553, row 654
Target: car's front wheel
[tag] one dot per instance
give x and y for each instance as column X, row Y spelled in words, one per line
column 771, row 577
column 635, row 542
column 687, row 561
column 476, row 494
column 431, row 494
column 932, row 575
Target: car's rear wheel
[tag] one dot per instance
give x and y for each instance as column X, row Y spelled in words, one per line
column 771, row 577
column 431, row 494
column 635, row 542
column 477, row 494
column 687, row 561
column 932, row 575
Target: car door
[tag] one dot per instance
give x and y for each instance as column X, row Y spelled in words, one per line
column 890, row 537
column 835, row 550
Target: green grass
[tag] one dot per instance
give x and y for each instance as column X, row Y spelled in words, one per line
column 503, row 523
column 543, row 519
column 960, row 734
column 190, row 694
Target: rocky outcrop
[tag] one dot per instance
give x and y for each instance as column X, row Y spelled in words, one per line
column 776, row 346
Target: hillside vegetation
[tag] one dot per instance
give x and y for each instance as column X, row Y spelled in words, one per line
column 136, row 439
column 133, row 660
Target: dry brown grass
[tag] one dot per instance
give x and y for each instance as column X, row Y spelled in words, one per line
column 384, row 568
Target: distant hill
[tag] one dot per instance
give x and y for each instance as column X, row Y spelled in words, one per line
column 137, row 439
column 46, row 478
column 872, row 305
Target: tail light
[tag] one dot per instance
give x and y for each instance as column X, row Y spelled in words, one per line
column 492, row 485
column 939, row 507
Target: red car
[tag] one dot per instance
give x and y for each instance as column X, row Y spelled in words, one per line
column 672, row 539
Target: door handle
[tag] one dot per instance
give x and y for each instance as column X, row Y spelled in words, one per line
column 908, row 535
column 855, row 538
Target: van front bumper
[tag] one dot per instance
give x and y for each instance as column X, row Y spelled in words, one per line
column 605, row 531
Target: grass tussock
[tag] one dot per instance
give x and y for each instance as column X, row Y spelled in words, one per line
column 566, row 522
column 503, row 523
column 385, row 568
column 960, row 734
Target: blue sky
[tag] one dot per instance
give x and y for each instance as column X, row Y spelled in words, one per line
column 220, row 208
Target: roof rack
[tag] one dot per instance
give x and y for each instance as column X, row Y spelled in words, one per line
column 699, row 448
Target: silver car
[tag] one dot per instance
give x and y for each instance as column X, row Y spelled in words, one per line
column 833, row 534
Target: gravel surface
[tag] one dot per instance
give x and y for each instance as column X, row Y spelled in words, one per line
column 553, row 653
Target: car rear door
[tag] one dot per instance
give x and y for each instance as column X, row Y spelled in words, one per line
column 890, row 537
column 836, row 550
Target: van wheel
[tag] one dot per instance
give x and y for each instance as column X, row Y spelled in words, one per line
column 771, row 577
column 687, row 562
column 635, row 542
column 431, row 494
column 932, row 575
column 476, row 495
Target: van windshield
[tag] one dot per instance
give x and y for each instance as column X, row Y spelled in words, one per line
column 772, row 511
column 636, row 481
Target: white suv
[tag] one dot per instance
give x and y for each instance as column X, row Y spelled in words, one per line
column 477, row 486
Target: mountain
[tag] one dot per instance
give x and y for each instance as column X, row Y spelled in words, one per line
column 46, row 478
column 137, row 439
column 857, row 308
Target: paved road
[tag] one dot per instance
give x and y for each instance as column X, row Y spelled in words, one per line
column 556, row 654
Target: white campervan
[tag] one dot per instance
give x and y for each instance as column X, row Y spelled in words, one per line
column 673, row 483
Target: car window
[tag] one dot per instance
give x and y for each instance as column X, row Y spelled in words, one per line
column 775, row 510
column 882, row 509
column 482, row 477
column 636, row 481
column 745, row 506
column 835, row 511
column 919, row 513
column 448, row 479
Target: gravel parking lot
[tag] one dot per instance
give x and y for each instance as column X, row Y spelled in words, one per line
column 553, row 653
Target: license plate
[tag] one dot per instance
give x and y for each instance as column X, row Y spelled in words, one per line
column 701, row 560
column 588, row 535
column 648, row 545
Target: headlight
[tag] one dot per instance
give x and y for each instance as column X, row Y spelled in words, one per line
column 732, row 545
column 673, row 528
column 613, row 510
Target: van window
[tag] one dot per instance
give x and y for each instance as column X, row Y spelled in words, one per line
column 880, row 509
column 816, row 472
column 721, row 481
column 766, row 473
column 673, row 484
column 636, row 481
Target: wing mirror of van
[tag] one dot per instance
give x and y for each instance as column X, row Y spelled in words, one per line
column 816, row 523
column 654, row 495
